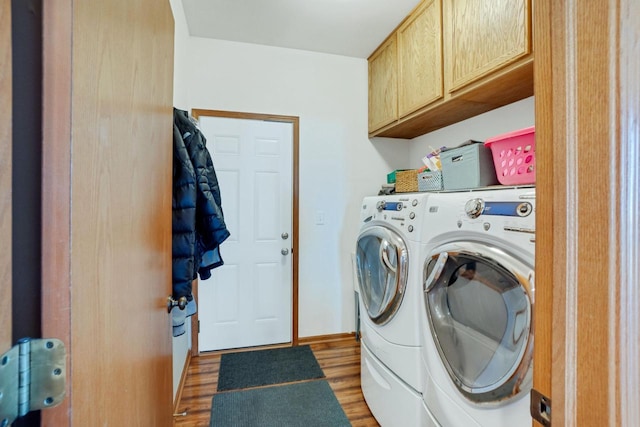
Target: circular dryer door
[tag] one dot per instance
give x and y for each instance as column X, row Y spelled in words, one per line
column 479, row 304
column 381, row 259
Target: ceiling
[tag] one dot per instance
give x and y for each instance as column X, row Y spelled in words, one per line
column 341, row 27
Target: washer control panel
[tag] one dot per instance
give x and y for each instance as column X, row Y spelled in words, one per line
column 406, row 212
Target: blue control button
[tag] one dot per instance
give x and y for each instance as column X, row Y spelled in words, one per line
column 393, row 206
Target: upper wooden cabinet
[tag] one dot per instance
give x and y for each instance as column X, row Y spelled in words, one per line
column 420, row 58
column 455, row 59
column 484, row 36
column 383, row 85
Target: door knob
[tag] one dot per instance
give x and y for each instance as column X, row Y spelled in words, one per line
column 181, row 303
column 284, row 251
column 284, row 235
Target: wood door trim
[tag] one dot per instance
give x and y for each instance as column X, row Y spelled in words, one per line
column 183, row 381
column 628, row 317
column 195, row 326
column 588, row 185
column 6, row 141
column 543, row 325
column 323, row 339
column 56, row 187
column 316, row 339
column 295, row 121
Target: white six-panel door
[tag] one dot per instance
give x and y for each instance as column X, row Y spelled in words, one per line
column 248, row 301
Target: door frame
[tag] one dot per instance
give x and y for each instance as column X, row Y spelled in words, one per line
column 587, row 227
column 5, row 175
column 295, row 121
column 56, row 186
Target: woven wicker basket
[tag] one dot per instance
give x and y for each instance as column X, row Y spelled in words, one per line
column 407, row 181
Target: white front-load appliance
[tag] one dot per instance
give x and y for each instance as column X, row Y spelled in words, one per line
column 476, row 316
column 389, row 273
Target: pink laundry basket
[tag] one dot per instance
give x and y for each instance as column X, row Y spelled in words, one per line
column 514, row 156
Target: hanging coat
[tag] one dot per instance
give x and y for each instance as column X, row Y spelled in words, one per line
column 184, row 218
column 201, row 232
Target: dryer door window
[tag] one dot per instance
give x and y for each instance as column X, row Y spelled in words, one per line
column 381, row 258
column 479, row 304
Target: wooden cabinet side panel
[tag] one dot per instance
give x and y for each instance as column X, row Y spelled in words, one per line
column 485, row 36
column 383, row 86
column 420, row 58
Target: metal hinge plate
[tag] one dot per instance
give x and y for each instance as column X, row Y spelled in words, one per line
column 540, row 408
column 32, row 377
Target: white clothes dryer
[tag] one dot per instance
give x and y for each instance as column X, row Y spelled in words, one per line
column 389, row 272
column 476, row 316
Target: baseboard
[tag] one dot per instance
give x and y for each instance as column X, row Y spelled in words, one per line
column 327, row 338
column 317, row 339
column 183, row 380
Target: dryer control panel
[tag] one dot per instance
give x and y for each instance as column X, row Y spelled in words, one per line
column 476, row 207
column 502, row 213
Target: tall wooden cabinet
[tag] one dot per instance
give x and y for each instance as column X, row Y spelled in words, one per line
column 455, row 59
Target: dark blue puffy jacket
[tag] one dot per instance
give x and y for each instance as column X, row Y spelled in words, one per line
column 198, row 221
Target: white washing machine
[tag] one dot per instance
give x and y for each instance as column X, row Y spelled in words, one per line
column 389, row 273
column 477, row 307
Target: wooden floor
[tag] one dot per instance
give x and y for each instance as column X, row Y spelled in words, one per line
column 339, row 359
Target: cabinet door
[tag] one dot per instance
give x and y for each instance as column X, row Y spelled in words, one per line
column 383, row 85
column 484, row 36
column 420, row 58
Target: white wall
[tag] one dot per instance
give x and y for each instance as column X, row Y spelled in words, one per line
column 495, row 122
column 339, row 165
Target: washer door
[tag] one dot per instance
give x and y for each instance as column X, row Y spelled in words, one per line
column 381, row 258
column 479, row 303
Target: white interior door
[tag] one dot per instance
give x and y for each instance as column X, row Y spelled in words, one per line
column 248, row 301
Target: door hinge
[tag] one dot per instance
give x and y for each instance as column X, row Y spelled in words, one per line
column 540, row 408
column 32, row 377
column 198, row 326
